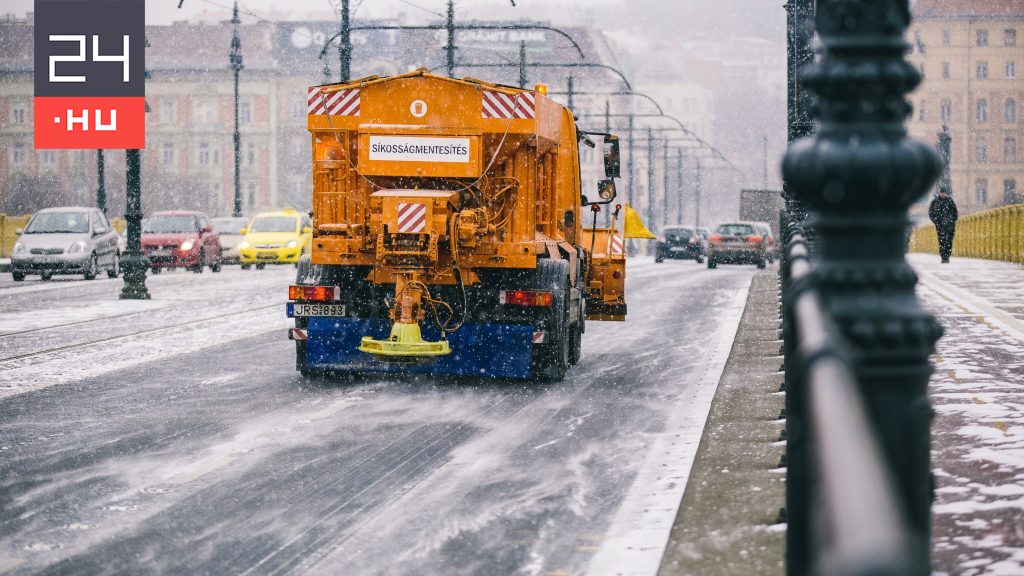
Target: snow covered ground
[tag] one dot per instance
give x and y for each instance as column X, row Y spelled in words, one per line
column 175, row 436
column 978, row 433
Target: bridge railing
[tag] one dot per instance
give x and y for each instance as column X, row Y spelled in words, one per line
column 996, row 234
column 844, row 512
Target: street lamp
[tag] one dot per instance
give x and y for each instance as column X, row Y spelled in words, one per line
column 235, row 60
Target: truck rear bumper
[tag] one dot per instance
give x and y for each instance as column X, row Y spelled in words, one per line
column 478, row 350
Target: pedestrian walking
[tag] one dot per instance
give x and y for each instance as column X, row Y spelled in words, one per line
column 943, row 214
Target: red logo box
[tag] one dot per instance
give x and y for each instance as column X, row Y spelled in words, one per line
column 90, row 122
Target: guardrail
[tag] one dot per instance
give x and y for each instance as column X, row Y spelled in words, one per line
column 844, row 512
column 996, row 234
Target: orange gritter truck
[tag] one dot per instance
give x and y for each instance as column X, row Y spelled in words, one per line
column 448, row 232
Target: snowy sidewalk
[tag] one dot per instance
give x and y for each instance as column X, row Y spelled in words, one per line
column 978, row 395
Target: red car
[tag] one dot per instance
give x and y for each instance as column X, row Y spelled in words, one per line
column 181, row 239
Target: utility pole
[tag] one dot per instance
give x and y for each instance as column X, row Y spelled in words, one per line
column 607, row 117
column 236, row 67
column 665, row 187
column 765, row 176
column 650, row 178
column 696, row 196
column 569, row 92
column 629, row 176
column 345, row 45
column 449, row 49
column 101, row 189
column 681, row 178
column 522, row 63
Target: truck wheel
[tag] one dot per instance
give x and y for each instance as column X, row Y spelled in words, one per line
column 712, row 263
column 45, row 276
column 761, row 263
column 658, row 258
column 246, row 266
column 261, row 266
column 575, row 345
column 552, row 360
column 18, row 276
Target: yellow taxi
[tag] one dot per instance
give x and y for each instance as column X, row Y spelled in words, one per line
column 275, row 238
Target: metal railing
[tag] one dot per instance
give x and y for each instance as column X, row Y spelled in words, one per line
column 844, row 512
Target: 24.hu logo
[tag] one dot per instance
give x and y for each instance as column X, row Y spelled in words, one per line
column 90, row 74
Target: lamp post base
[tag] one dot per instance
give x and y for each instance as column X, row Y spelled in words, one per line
column 134, row 265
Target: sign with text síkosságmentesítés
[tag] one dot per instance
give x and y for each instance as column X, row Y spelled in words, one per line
column 90, row 74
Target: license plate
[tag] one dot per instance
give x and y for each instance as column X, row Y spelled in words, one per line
column 159, row 253
column 303, row 310
column 47, row 259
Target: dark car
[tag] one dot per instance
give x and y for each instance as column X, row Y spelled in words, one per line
column 737, row 243
column 181, row 239
column 681, row 243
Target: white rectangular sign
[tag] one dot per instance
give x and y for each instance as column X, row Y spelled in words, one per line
column 419, row 149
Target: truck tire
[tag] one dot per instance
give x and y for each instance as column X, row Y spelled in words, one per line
column 552, row 359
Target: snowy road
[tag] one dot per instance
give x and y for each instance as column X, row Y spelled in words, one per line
column 174, row 436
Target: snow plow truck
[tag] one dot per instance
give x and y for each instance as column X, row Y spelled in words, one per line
column 449, row 232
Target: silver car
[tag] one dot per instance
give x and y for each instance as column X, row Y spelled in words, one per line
column 70, row 240
column 230, row 230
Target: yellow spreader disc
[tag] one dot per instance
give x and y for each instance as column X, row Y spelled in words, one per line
column 405, row 345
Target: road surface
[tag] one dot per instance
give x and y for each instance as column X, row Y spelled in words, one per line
column 174, row 436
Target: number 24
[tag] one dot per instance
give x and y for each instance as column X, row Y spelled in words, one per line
column 80, row 57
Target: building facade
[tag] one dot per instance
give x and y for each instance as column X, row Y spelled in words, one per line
column 969, row 54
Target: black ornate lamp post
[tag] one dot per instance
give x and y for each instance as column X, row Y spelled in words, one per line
column 800, row 14
column 134, row 262
column 101, row 185
column 945, row 145
column 859, row 174
column 236, row 67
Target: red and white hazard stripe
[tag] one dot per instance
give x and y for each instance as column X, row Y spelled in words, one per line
column 296, row 334
column 615, row 244
column 539, row 337
column 521, row 106
column 340, row 103
column 412, row 218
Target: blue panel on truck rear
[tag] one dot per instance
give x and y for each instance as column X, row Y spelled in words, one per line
column 489, row 350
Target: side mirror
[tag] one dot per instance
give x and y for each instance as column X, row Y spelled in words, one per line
column 19, row 231
column 611, row 157
column 606, row 190
column 306, row 229
column 243, row 231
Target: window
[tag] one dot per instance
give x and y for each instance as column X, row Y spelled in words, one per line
column 946, row 111
column 981, row 191
column 921, row 69
column 19, row 112
column 981, row 149
column 202, row 111
column 99, row 222
column 18, row 154
column 982, row 111
column 168, row 111
column 981, row 71
column 1010, row 37
column 250, row 153
column 982, row 39
column 48, row 157
column 1010, row 110
column 1009, row 191
column 945, row 37
column 1011, row 70
column 945, row 70
column 920, row 112
column 168, row 153
column 204, row 154
column 298, row 109
column 245, row 112
column 252, row 193
column 1010, row 149
column 216, row 156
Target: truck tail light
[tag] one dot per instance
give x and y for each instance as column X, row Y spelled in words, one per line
column 524, row 298
column 314, row 293
column 755, row 239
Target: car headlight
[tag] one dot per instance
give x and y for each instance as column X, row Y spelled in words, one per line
column 292, row 244
column 243, row 245
column 77, row 247
column 19, row 248
column 186, row 245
